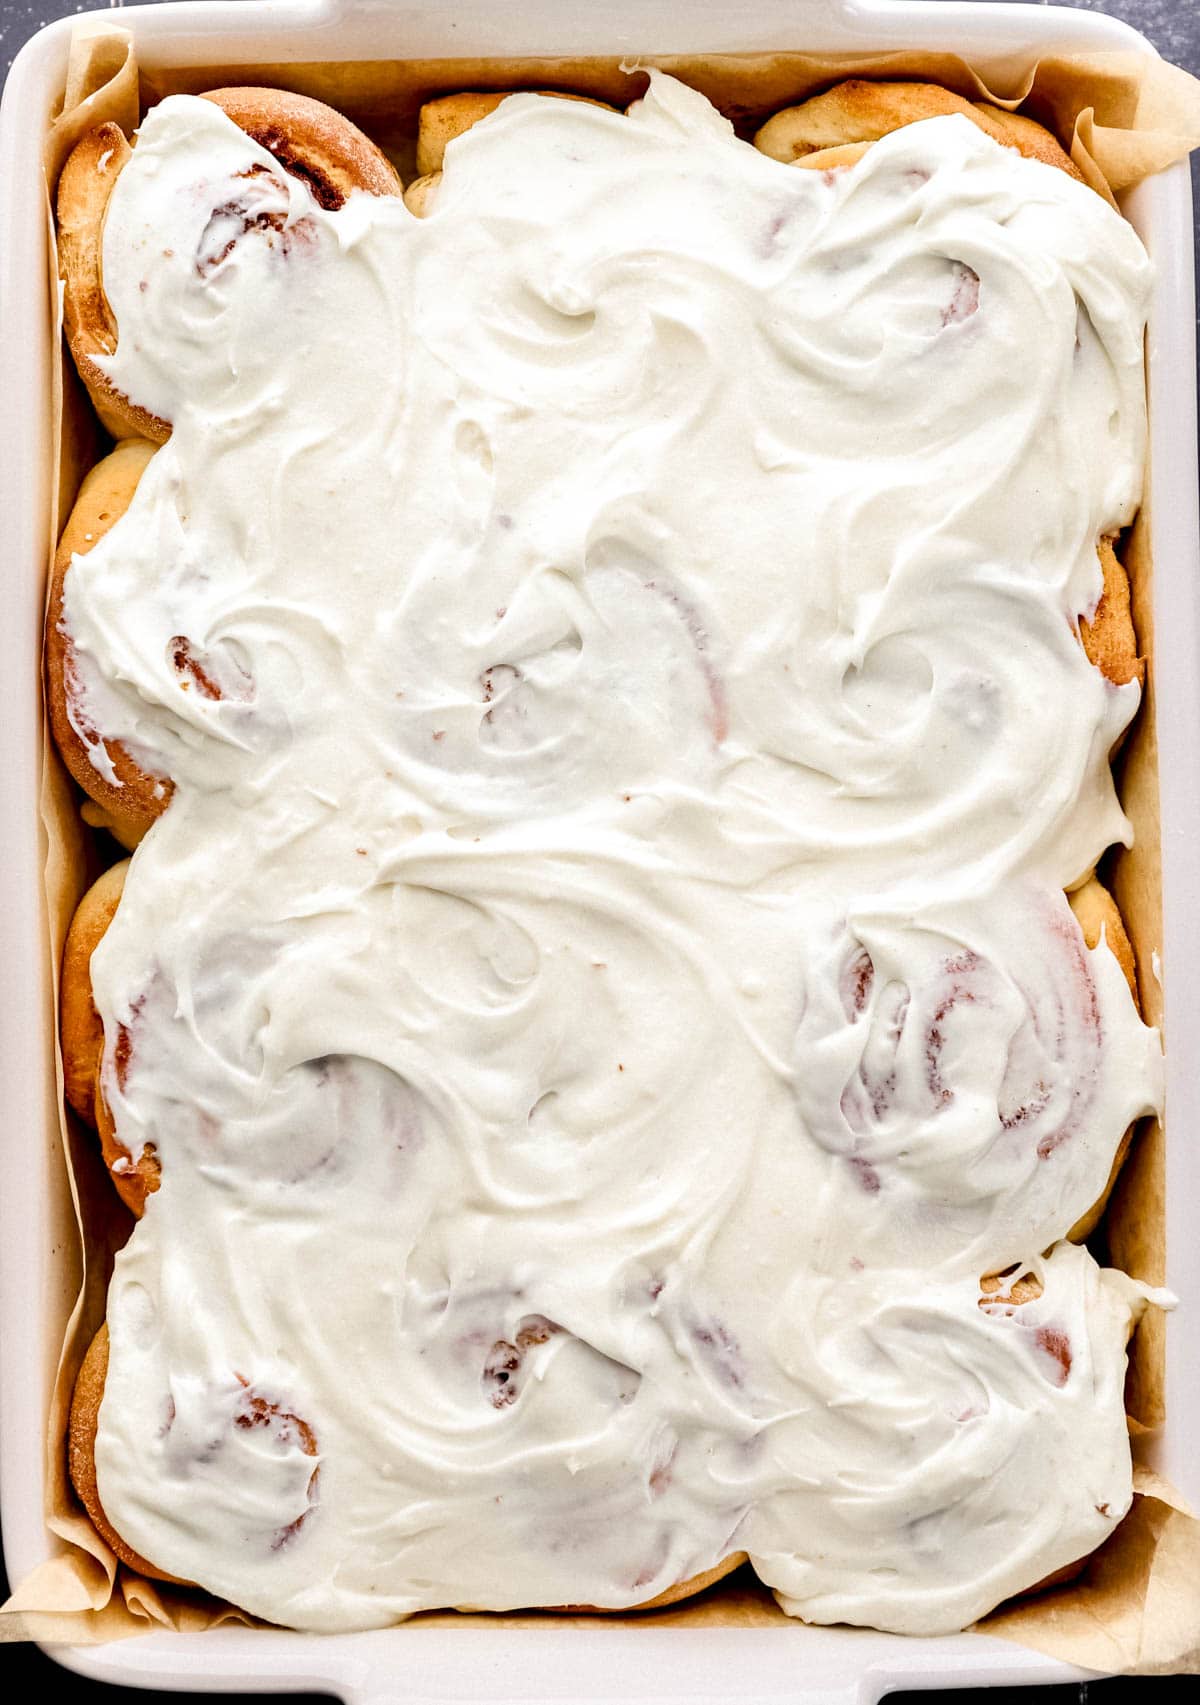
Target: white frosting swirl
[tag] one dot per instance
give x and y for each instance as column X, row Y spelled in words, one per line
column 602, row 992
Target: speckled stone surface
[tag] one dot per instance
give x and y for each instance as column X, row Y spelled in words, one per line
column 1173, row 26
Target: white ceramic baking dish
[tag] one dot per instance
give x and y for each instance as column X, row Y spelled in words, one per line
column 554, row 1660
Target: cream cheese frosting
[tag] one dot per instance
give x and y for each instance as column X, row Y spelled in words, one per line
column 602, row 992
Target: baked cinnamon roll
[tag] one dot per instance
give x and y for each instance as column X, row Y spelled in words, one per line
column 440, row 121
column 83, row 1041
column 1005, row 1295
column 237, row 1406
column 104, row 770
column 309, row 140
column 836, row 128
column 924, row 1053
column 79, row 1022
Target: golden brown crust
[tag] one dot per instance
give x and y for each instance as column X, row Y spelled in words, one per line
column 81, row 1455
column 1109, row 638
column 309, row 139
column 82, row 1034
column 442, row 120
column 1027, row 137
column 860, row 112
column 128, row 832
column 103, row 498
column 84, row 188
column 854, row 111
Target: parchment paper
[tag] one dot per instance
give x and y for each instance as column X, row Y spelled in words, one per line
column 1135, row 1608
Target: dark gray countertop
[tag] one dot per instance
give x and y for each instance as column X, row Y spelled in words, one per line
column 1174, row 28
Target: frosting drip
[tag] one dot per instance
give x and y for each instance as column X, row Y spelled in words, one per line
column 602, row 992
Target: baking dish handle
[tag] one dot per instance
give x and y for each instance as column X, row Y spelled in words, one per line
column 707, row 1666
column 844, row 14
column 864, row 1692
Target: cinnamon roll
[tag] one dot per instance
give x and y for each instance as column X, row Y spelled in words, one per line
column 215, row 1433
column 106, row 771
column 966, row 1098
column 134, row 1176
column 836, row 128
column 80, row 1029
column 128, row 832
column 441, row 120
column 306, row 139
